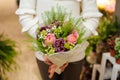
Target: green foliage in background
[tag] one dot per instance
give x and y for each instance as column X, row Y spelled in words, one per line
column 107, row 28
column 117, row 48
column 7, row 54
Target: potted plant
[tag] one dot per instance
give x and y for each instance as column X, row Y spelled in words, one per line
column 104, row 41
column 112, row 52
column 111, row 44
column 117, row 50
column 7, row 55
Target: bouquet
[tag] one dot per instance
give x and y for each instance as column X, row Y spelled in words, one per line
column 60, row 37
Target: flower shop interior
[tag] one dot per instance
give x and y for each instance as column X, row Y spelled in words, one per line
column 102, row 61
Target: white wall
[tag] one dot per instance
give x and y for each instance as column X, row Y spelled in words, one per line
column 7, row 7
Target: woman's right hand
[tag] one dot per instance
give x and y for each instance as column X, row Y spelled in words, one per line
column 52, row 67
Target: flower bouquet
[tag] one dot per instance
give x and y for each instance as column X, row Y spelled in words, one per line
column 60, row 37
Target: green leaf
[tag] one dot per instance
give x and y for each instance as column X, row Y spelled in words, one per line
column 38, row 46
column 68, row 46
column 67, row 28
column 50, row 50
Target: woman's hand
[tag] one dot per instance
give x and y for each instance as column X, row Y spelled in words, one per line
column 52, row 67
column 47, row 61
column 64, row 66
column 51, row 70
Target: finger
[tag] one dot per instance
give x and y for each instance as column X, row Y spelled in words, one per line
column 63, row 67
column 51, row 75
column 47, row 61
column 51, row 70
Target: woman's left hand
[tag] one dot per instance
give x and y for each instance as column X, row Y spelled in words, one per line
column 53, row 67
column 51, row 70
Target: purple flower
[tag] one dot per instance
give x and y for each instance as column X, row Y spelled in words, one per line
column 59, row 45
column 44, row 28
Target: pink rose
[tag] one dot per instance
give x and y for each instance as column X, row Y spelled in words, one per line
column 72, row 38
column 50, row 39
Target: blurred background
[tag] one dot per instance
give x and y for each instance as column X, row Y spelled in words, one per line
column 10, row 28
column 25, row 62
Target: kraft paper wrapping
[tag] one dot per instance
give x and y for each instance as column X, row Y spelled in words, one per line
column 76, row 54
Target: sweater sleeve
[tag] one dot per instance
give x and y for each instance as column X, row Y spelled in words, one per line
column 91, row 14
column 27, row 16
